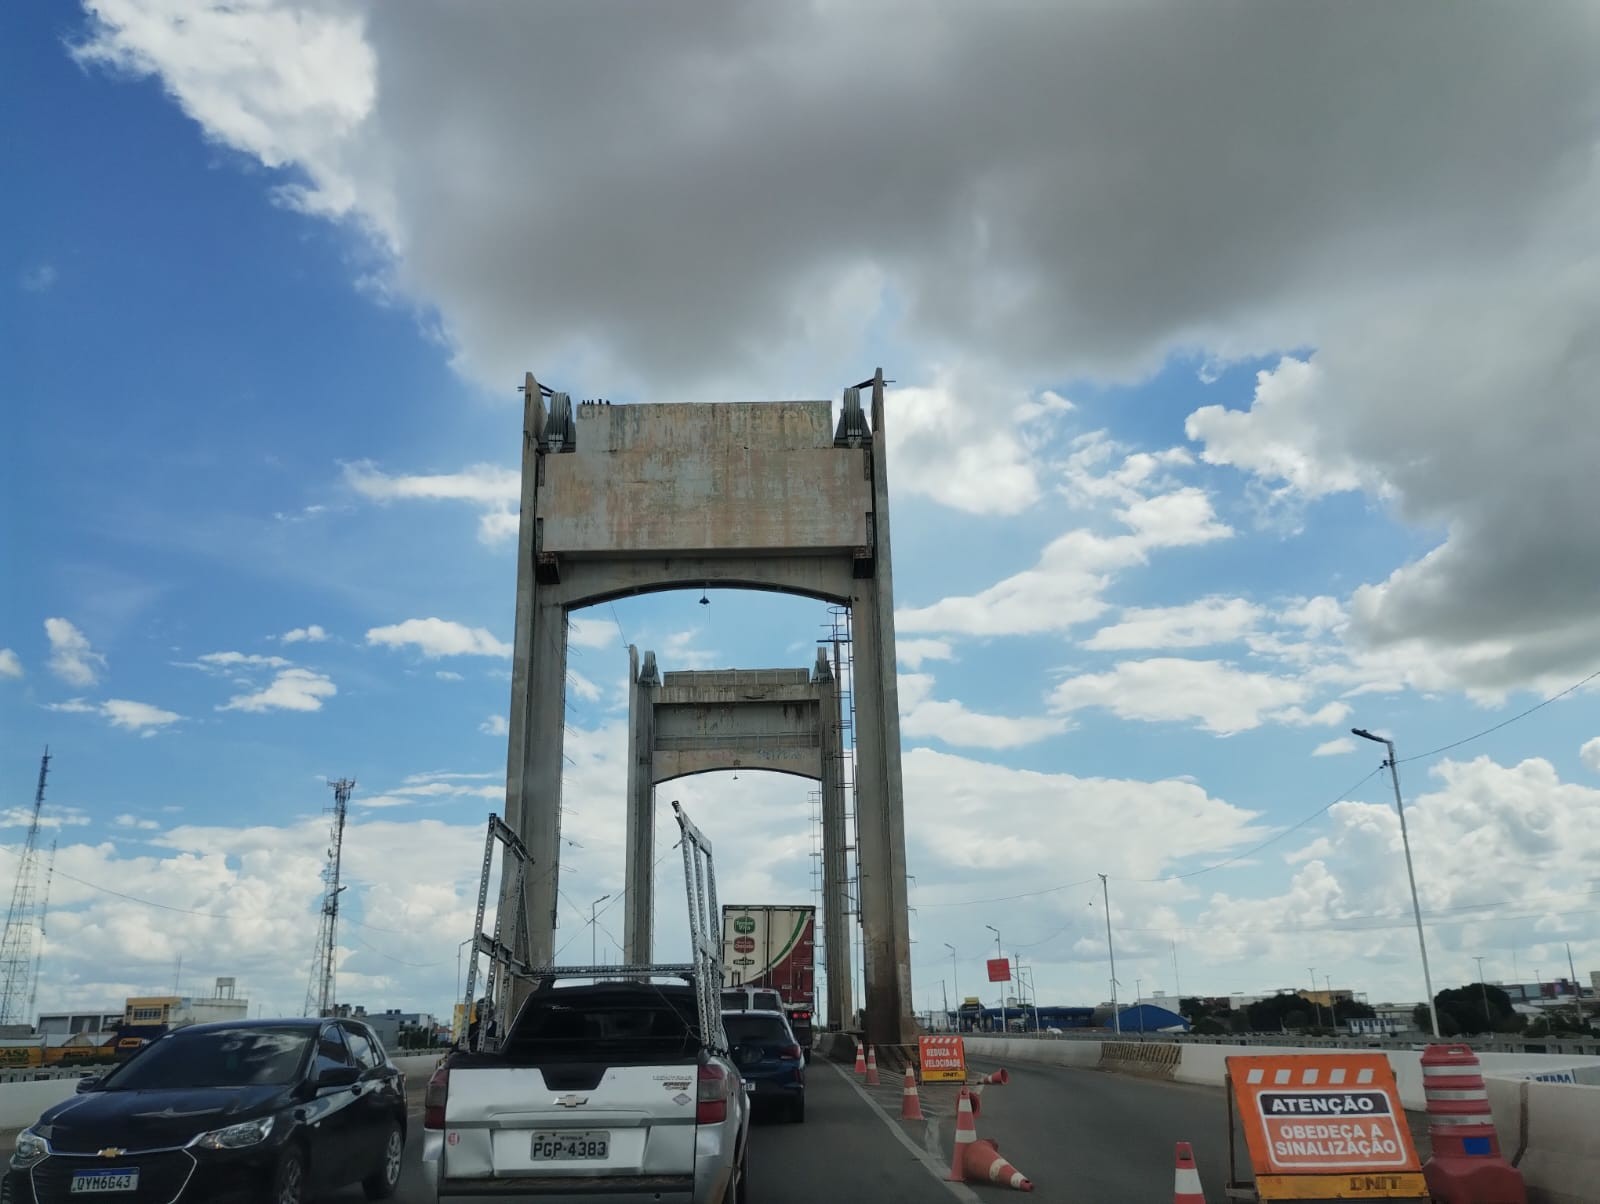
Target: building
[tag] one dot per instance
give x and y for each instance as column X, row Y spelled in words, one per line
column 174, row 1010
column 389, row 1025
column 64, row 1024
column 1336, row 995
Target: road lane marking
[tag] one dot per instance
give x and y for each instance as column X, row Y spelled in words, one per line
column 929, row 1161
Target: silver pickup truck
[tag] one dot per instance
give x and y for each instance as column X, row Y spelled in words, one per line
column 602, row 1087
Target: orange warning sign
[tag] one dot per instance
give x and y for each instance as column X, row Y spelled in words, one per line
column 943, row 1059
column 1324, row 1114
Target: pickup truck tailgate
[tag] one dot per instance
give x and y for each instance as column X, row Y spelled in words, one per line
column 570, row 1121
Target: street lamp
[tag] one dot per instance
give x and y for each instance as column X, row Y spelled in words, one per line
column 1116, row 1020
column 955, row 982
column 1405, row 841
column 1315, row 1007
column 594, row 929
column 1005, row 1025
column 459, row 948
column 1488, row 1020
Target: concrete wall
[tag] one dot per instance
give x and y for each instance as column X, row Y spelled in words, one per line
column 1551, row 1131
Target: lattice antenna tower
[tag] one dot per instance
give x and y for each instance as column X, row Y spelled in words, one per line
column 16, row 946
column 324, row 964
column 44, row 912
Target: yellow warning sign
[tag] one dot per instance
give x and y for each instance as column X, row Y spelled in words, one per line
column 1325, row 1126
column 943, row 1059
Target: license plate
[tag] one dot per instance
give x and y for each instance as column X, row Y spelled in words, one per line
column 98, row 1182
column 571, row 1147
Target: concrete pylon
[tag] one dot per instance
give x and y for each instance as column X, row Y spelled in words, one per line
column 630, row 499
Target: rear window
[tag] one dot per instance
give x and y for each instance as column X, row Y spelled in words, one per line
column 756, row 1030
column 584, row 1025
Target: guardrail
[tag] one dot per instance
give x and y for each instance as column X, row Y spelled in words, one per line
column 1582, row 1047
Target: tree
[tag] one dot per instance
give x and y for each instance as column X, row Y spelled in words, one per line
column 1290, row 1010
column 1352, row 1009
column 1461, row 1009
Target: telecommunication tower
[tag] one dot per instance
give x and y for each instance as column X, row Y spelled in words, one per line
column 324, row 964
column 16, row 946
column 44, row 913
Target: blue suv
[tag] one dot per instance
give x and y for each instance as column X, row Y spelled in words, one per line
column 769, row 1059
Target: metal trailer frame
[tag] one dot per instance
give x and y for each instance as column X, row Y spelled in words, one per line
column 510, row 961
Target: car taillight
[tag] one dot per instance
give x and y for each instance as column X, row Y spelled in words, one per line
column 802, row 1015
column 790, row 1053
column 711, row 1096
column 434, row 1098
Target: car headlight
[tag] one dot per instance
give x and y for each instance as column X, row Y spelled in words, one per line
column 30, row 1146
column 235, row 1137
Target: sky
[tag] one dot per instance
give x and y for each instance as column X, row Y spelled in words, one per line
column 1243, row 361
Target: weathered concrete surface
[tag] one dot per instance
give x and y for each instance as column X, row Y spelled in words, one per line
column 621, row 500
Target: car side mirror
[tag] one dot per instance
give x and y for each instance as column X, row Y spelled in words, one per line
column 338, row 1076
column 88, row 1082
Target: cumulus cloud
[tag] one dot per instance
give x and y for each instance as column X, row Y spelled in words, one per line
column 10, row 665
column 951, row 723
column 598, row 632
column 1334, row 748
column 1215, row 695
column 434, row 638
column 133, row 821
column 71, row 657
column 312, row 634
column 240, row 660
column 448, row 675
column 1064, row 587
column 495, row 490
column 912, row 653
column 494, row 725
column 131, row 716
column 291, row 690
column 1192, row 625
column 1590, row 753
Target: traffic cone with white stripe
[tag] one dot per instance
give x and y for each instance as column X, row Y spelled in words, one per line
column 985, row 1165
column 1466, row 1166
column 966, row 1135
column 1186, row 1187
column 910, row 1101
column 872, row 1066
column 861, row 1058
column 998, row 1079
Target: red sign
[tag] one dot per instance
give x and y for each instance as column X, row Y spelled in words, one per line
column 999, row 969
column 942, row 1059
column 744, row 944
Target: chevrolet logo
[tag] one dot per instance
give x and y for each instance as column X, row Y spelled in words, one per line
column 572, row 1101
column 111, row 1151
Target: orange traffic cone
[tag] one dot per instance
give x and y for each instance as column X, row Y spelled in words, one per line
column 872, row 1066
column 1186, row 1179
column 966, row 1136
column 861, row 1059
column 910, row 1101
column 985, row 1164
column 999, row 1078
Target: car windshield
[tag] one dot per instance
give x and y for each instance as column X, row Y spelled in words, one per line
column 756, row 1030
column 238, row 1057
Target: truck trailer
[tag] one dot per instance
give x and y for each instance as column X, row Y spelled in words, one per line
column 773, row 947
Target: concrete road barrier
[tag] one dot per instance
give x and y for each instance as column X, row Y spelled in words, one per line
column 1152, row 1059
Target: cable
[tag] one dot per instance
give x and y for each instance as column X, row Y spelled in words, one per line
column 1027, row 894
column 1433, row 752
column 397, row 960
column 612, row 607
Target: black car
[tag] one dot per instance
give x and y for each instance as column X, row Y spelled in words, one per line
column 769, row 1059
column 257, row 1110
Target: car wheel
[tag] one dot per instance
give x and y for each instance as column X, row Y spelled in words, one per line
column 381, row 1184
column 289, row 1177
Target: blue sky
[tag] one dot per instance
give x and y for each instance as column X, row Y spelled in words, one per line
column 1171, row 512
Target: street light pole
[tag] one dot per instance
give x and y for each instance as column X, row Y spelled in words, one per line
column 1316, row 1008
column 1116, row 1020
column 1487, row 1019
column 1005, row 1025
column 955, row 982
column 594, row 930
column 1405, row 841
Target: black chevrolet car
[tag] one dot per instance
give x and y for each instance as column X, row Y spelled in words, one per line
column 255, row 1110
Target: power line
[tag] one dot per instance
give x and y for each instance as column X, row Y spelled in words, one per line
column 1027, row 894
column 1433, row 752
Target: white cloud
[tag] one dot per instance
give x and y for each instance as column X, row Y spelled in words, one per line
column 71, row 657
column 312, row 634
column 582, row 687
column 1334, row 748
column 912, row 653
column 448, row 675
column 591, row 633
column 131, row 716
column 413, row 779
column 291, row 690
column 1192, row 625
column 494, row 725
column 678, row 651
column 1590, row 753
column 1217, row 696
column 241, row 660
column 1064, row 588
column 21, row 817
column 10, row 665
column 434, row 638
column 948, row 721
column 496, row 490
column 133, row 821
column 39, row 279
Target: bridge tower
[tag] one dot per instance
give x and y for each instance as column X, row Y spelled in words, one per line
column 631, row 499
